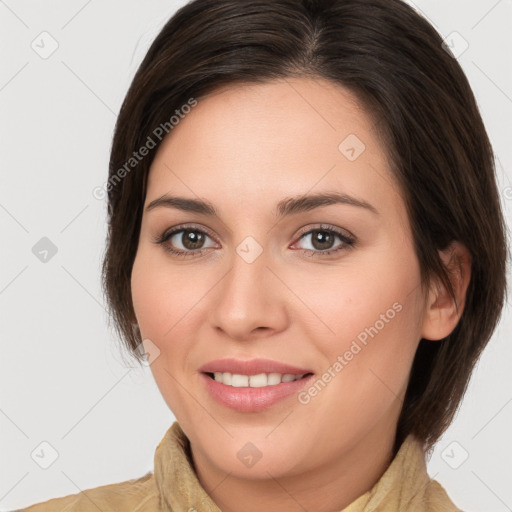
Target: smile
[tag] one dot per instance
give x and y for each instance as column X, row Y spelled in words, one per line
column 260, row 380
column 254, row 392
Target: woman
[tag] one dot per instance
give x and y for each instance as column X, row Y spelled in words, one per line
column 306, row 246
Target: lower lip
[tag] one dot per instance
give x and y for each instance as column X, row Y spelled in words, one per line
column 249, row 399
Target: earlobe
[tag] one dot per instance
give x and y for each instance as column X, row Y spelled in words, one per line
column 441, row 313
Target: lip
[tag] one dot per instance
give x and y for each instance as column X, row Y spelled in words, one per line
column 247, row 399
column 251, row 367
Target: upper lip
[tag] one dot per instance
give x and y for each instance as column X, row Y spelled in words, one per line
column 251, row 367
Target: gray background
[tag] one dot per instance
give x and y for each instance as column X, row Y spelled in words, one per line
column 64, row 380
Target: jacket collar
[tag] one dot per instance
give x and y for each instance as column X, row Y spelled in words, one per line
column 404, row 484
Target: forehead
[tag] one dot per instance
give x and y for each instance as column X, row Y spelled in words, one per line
column 284, row 137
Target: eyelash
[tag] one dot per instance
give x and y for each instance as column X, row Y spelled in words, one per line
column 348, row 242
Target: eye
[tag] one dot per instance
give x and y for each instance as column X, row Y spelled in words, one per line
column 184, row 240
column 323, row 239
column 189, row 241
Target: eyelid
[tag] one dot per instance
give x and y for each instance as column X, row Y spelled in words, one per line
column 181, row 227
column 327, row 227
column 304, row 230
column 348, row 240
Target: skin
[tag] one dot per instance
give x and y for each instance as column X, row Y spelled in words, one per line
column 244, row 148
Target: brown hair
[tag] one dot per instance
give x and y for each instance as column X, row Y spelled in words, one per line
column 395, row 63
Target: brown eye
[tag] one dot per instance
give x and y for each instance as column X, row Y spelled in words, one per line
column 323, row 241
column 184, row 241
column 192, row 239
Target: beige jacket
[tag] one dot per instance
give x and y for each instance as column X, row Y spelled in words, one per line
column 174, row 487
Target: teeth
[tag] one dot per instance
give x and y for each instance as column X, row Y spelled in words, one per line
column 239, row 381
column 254, row 381
column 273, row 379
column 258, row 381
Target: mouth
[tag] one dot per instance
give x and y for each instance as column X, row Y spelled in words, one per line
column 253, row 393
column 252, row 385
column 260, row 380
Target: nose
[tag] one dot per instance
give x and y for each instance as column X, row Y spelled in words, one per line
column 250, row 301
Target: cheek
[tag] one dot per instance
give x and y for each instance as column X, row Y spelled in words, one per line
column 368, row 358
column 162, row 295
column 150, row 294
column 372, row 296
column 370, row 316
column 161, row 302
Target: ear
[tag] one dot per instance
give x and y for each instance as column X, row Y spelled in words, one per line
column 441, row 313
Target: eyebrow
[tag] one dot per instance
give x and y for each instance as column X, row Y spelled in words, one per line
column 285, row 207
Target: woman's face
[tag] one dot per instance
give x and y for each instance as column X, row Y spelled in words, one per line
column 331, row 289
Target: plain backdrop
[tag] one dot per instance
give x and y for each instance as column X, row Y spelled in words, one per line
column 66, row 390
